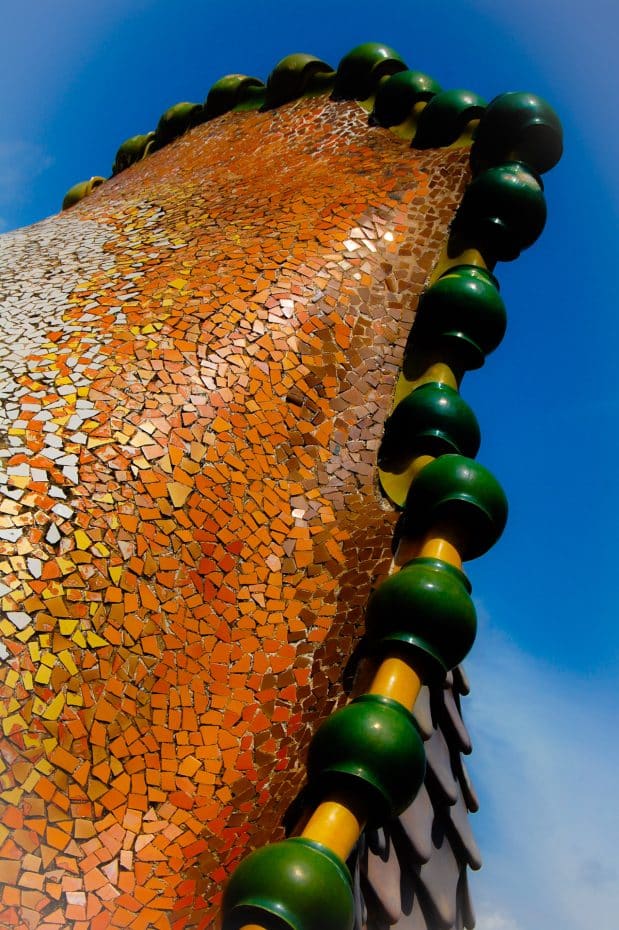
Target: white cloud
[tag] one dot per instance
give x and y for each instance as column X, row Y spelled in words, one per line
column 493, row 920
column 545, row 764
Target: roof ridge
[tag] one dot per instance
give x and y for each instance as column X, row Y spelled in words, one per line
column 515, row 126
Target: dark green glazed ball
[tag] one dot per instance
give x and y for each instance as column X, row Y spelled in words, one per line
column 459, row 495
column 503, row 211
column 360, row 72
column 462, row 316
column 131, row 151
column 296, row 75
column 79, row 191
column 518, row 126
column 431, row 420
column 427, row 609
column 296, row 884
column 397, row 95
column 371, row 747
column 231, row 91
column 445, row 118
column 177, row 120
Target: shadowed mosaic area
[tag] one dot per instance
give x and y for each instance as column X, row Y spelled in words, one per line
column 199, row 360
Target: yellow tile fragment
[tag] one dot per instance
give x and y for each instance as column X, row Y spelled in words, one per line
column 178, row 283
column 115, row 572
column 38, row 707
column 67, row 660
column 95, row 641
column 13, row 723
column 82, row 540
column 31, row 781
column 54, row 708
column 12, row 677
column 43, row 675
column 79, row 638
column 67, row 625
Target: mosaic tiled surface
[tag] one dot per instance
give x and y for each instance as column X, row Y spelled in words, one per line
column 197, row 364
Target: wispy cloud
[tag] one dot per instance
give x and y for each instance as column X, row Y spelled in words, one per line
column 495, row 920
column 545, row 763
column 20, row 163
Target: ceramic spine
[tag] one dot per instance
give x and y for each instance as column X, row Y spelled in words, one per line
column 421, row 621
column 367, row 761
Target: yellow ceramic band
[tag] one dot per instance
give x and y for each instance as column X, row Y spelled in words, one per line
column 396, row 487
column 437, row 547
column 335, row 825
column 396, row 679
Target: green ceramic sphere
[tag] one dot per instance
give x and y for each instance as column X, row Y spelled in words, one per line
column 80, row 190
column 446, row 116
column 460, row 496
column 426, row 608
column 462, row 316
column 518, row 126
column 431, row 420
column 231, row 91
column 296, row 884
column 360, row 72
column 373, row 748
column 397, row 95
column 177, row 120
column 503, row 211
column 131, row 151
column 296, row 75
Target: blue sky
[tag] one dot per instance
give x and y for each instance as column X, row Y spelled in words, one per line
column 78, row 79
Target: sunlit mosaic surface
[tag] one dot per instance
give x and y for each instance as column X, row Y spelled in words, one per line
column 197, row 362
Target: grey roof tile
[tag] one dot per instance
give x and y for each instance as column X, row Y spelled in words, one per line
column 454, row 722
column 459, row 817
column 422, row 713
column 384, row 877
column 461, row 682
column 417, row 821
column 439, row 766
column 439, row 878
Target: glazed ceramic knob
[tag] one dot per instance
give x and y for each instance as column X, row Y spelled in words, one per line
column 293, row 885
column 360, row 71
column 177, row 120
column 296, row 75
column 231, row 91
column 397, row 95
column 462, row 498
column 445, row 118
column 461, row 316
column 373, row 749
column 425, row 608
column 131, row 151
column 431, row 420
column 80, row 190
column 518, row 127
column 503, row 211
